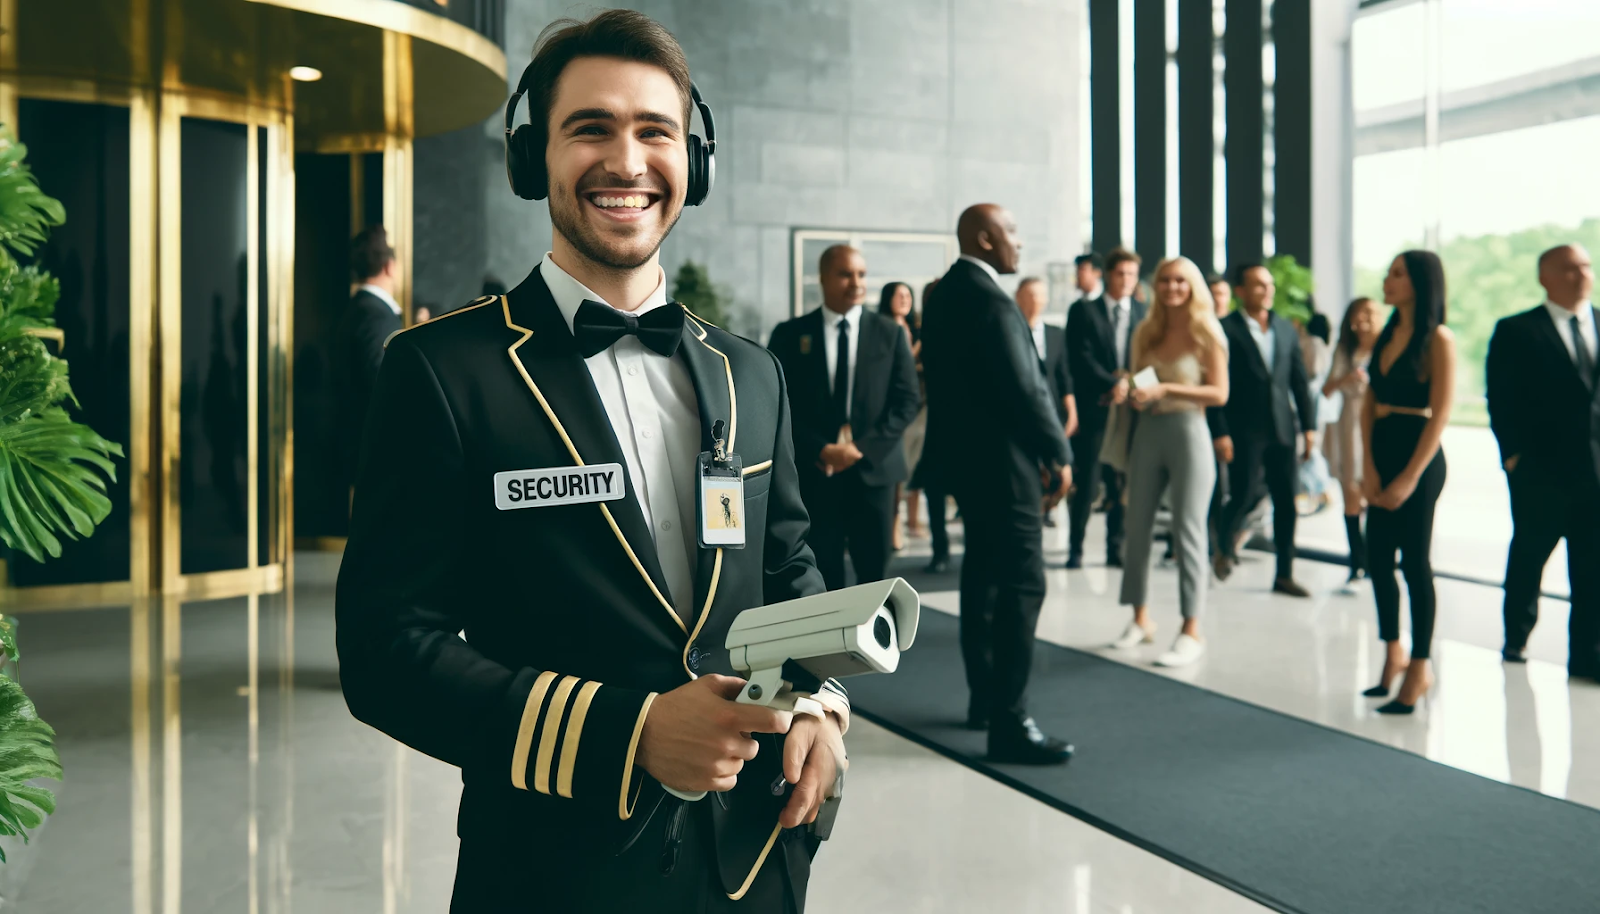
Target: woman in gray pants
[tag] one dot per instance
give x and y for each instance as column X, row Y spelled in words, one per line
column 1171, row 449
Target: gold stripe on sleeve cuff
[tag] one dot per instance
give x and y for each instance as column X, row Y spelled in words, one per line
column 569, row 747
column 624, row 808
column 530, row 716
column 548, row 736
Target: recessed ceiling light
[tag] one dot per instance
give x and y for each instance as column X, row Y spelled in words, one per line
column 305, row 74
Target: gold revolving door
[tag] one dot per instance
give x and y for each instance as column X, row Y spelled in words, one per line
column 169, row 130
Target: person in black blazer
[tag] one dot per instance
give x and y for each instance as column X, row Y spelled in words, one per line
column 996, row 439
column 1050, row 342
column 853, row 390
column 1544, row 408
column 369, row 319
column 1099, row 336
column 1255, row 433
column 563, row 645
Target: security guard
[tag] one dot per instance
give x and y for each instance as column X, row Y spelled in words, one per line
column 563, row 645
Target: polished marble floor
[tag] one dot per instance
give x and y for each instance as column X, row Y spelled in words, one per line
column 212, row 767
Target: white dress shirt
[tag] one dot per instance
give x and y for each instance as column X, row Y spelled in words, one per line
column 1264, row 339
column 383, row 295
column 655, row 413
column 1038, row 337
column 1121, row 313
column 830, row 346
column 1586, row 329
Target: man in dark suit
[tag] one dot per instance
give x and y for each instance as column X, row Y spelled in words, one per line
column 1255, row 433
column 852, row 392
column 1050, row 342
column 563, row 645
column 1099, row 338
column 370, row 317
column 1544, row 408
column 998, row 442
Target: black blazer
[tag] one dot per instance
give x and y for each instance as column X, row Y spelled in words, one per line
column 1057, row 368
column 883, row 400
column 991, row 424
column 357, row 352
column 1540, row 409
column 565, row 602
column 1092, row 353
column 1258, row 402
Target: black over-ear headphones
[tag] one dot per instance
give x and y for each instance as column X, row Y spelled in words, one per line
column 525, row 147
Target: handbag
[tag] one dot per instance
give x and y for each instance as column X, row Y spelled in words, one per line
column 1119, row 432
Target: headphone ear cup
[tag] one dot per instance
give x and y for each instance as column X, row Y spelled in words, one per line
column 528, row 178
column 698, row 185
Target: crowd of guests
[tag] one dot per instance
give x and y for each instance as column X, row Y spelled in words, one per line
column 1182, row 402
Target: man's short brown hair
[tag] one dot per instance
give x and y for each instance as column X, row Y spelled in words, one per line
column 369, row 253
column 1119, row 256
column 623, row 34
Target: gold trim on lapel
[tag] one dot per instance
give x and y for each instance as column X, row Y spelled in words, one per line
column 751, row 877
column 572, row 449
column 705, row 611
column 733, row 396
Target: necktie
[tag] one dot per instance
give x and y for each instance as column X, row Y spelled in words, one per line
column 1580, row 349
column 597, row 326
column 841, row 375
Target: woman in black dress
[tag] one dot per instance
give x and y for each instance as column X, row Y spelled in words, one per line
column 1407, row 407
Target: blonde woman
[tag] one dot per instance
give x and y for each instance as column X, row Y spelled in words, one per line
column 1180, row 340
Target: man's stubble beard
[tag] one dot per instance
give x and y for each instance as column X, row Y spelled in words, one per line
column 567, row 219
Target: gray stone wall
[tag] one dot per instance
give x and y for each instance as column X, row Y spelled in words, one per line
column 840, row 114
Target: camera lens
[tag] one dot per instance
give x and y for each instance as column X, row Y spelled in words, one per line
column 881, row 632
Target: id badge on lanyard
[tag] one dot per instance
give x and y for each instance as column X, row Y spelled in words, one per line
column 719, row 510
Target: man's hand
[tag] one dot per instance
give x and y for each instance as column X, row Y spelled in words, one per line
column 696, row 737
column 1511, row 463
column 1311, row 445
column 1224, row 448
column 813, row 756
column 840, row 457
column 1053, row 497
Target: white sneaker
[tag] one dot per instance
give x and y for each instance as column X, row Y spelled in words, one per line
column 1186, row 650
column 1132, row 637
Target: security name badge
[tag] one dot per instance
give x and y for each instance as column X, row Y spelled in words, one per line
column 544, row 487
column 720, row 503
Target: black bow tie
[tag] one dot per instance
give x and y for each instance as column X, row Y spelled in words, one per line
column 597, row 326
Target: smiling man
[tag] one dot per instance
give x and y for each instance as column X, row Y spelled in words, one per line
column 565, row 648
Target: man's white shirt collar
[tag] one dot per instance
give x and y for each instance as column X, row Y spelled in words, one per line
column 993, row 273
column 830, row 317
column 1125, row 303
column 1584, row 313
column 382, row 295
column 569, row 293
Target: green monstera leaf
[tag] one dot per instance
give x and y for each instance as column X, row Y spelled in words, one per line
column 27, row 753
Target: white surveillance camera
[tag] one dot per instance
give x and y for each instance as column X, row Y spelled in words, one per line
column 847, row 632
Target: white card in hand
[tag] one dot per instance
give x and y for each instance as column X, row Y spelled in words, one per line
column 1145, row 378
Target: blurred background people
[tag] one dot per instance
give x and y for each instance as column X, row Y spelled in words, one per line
column 1256, row 431
column 895, row 302
column 1171, row 453
column 1341, row 442
column 1314, row 483
column 1408, row 405
column 1050, row 342
column 1089, row 269
column 999, row 441
column 1099, row 332
column 370, row 317
column 1221, row 294
column 852, row 392
column 924, row 478
column 1544, row 408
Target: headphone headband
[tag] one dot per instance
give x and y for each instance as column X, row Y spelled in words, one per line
column 525, row 146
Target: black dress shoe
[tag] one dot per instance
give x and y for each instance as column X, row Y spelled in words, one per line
column 1023, row 743
column 1113, row 561
column 939, row 565
column 1223, row 566
column 1514, row 655
column 1289, row 587
column 1074, row 561
column 977, row 720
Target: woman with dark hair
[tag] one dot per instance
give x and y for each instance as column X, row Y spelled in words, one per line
column 896, row 303
column 1407, row 408
column 1342, row 444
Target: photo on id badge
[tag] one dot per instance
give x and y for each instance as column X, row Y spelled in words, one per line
column 722, row 511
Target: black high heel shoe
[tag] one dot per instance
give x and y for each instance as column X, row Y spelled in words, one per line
column 1381, row 690
column 1396, row 707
